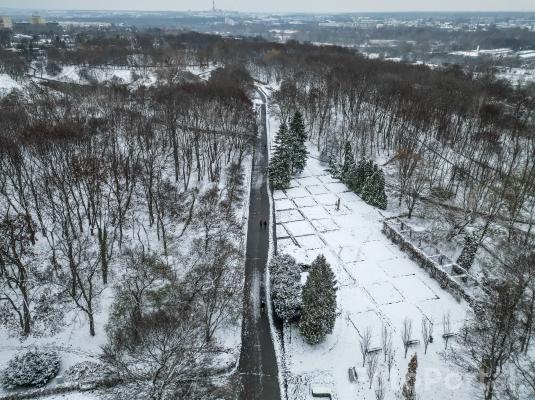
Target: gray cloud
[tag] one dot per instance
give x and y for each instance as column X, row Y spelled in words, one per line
column 281, row 5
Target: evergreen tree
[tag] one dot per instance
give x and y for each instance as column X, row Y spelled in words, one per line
column 373, row 191
column 318, row 314
column 298, row 138
column 348, row 167
column 361, row 175
column 466, row 259
column 285, row 278
column 409, row 387
column 280, row 164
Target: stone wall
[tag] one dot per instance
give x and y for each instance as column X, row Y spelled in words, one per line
column 457, row 284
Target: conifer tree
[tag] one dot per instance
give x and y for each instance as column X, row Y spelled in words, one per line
column 298, row 138
column 466, row 259
column 318, row 313
column 348, row 167
column 280, row 164
column 285, row 278
column 361, row 175
column 409, row 387
column 373, row 191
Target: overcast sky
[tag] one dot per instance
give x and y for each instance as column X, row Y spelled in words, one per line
column 280, row 5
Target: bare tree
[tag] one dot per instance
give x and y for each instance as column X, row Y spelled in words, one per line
column 17, row 238
column 406, row 333
column 427, row 332
column 525, row 376
column 490, row 338
column 78, row 279
column 446, row 328
column 371, row 367
column 380, row 388
column 365, row 342
column 143, row 273
column 166, row 353
column 386, row 341
column 390, row 358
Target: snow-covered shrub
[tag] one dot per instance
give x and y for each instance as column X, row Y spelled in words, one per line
column 86, row 370
column 285, row 277
column 34, row 367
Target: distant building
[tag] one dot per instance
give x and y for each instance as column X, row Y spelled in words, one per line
column 6, row 23
column 37, row 20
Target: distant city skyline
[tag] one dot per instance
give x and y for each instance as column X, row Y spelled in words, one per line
column 278, row 5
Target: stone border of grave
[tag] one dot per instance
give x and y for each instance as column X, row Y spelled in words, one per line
column 60, row 389
column 88, row 385
column 451, row 276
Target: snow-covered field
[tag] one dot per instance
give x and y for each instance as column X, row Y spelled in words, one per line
column 378, row 286
column 7, row 84
column 131, row 76
column 517, row 76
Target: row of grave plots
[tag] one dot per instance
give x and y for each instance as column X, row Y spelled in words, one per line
column 378, row 285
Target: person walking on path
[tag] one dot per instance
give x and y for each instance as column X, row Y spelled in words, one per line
column 265, row 224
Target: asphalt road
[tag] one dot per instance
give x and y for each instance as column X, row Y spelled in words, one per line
column 258, row 365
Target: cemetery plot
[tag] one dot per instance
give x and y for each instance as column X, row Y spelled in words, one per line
column 289, row 216
column 281, row 232
column 310, row 242
column 327, row 199
column 384, row 293
column 297, row 192
column 284, row 204
column 304, row 202
column 377, row 284
column 324, row 225
column 299, row 228
column 279, row 194
column 414, row 289
column 316, row 212
column 396, row 267
column 328, row 179
column 309, row 180
column 317, row 189
column 367, row 273
column 336, row 187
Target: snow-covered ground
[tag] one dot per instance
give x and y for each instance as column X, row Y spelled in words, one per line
column 7, row 84
column 378, row 286
column 73, row 341
column 517, row 76
column 133, row 76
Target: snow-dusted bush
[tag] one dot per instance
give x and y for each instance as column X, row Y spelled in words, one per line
column 86, row 370
column 34, row 367
column 285, row 277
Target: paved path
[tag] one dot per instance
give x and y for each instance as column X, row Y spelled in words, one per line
column 258, row 364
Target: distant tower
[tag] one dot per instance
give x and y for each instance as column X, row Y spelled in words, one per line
column 213, row 5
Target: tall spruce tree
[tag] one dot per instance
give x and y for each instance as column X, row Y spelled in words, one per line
column 373, row 190
column 318, row 313
column 361, row 175
column 280, row 163
column 298, row 138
